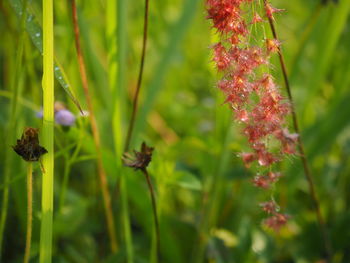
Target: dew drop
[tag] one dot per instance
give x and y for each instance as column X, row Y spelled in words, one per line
column 37, row 34
column 57, row 68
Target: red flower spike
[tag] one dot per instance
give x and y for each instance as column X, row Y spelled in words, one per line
column 256, row 102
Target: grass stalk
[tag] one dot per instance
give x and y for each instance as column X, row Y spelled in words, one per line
column 155, row 214
column 29, row 211
column 139, row 80
column 306, row 166
column 47, row 133
column 96, row 136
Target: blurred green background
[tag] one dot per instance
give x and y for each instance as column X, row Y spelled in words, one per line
column 208, row 208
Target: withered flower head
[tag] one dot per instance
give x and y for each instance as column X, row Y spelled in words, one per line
column 28, row 146
column 140, row 160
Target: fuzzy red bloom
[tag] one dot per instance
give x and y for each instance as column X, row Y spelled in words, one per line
column 265, row 181
column 262, row 181
column 221, row 57
column 274, row 176
column 272, row 45
column 248, row 158
column 266, row 158
column 242, row 115
column 223, row 13
column 270, row 10
column 276, row 221
column 256, row 19
column 288, row 140
column 269, row 207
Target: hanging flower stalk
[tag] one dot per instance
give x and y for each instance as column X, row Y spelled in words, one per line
column 253, row 96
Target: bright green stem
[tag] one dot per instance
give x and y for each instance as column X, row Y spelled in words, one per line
column 47, row 134
column 12, row 125
column 29, row 211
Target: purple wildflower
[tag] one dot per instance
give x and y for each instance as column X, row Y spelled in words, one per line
column 64, row 118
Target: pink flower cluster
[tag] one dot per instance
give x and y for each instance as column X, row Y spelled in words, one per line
column 255, row 98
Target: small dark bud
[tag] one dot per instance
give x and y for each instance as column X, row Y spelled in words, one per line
column 140, row 160
column 28, row 146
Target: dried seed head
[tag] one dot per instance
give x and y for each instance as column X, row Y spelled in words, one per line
column 28, row 146
column 141, row 159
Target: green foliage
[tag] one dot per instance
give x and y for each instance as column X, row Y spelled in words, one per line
column 208, row 209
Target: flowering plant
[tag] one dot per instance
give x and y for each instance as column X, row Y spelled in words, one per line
column 254, row 98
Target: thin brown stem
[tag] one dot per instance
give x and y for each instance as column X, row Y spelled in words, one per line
column 154, row 208
column 139, row 80
column 95, row 134
column 303, row 158
column 29, row 211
